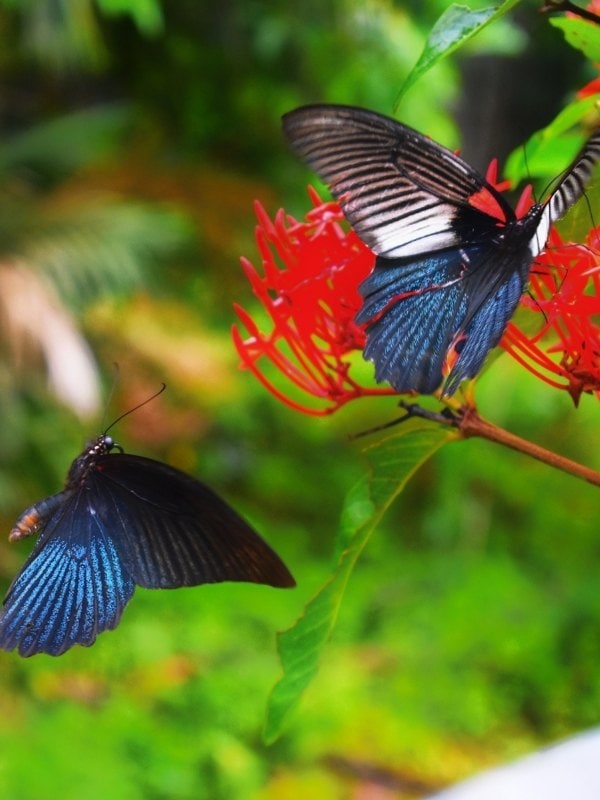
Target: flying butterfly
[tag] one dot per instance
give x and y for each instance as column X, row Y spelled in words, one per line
column 452, row 257
column 122, row 521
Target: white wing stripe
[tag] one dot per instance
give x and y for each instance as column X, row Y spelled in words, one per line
column 567, row 193
column 406, row 195
column 571, row 188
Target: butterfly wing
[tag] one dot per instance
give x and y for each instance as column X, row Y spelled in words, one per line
column 433, row 221
column 418, row 311
column 171, row 530
column 72, row 587
column 453, row 260
column 404, row 194
column 568, row 190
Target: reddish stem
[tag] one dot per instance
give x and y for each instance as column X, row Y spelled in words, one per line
column 554, row 6
column 471, row 424
column 467, row 421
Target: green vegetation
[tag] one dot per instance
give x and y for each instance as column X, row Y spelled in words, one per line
column 135, row 137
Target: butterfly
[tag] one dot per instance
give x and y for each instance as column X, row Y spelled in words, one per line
column 122, row 521
column 452, row 260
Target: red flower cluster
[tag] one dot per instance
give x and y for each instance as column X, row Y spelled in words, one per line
column 564, row 296
column 309, row 289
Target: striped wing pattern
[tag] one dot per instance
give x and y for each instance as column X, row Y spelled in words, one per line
column 568, row 191
column 415, row 321
column 399, row 190
column 449, row 275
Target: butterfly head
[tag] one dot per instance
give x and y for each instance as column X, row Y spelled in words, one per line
column 106, row 443
column 85, row 461
column 101, row 446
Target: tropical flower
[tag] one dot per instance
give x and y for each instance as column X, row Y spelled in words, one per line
column 564, row 297
column 309, row 288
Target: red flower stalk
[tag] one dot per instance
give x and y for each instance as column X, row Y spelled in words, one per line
column 309, row 288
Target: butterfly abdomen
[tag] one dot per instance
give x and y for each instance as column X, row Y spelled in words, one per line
column 33, row 518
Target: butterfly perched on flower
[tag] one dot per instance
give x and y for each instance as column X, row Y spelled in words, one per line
column 122, row 521
column 452, row 260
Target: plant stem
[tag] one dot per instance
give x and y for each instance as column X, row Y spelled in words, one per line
column 555, row 6
column 469, row 423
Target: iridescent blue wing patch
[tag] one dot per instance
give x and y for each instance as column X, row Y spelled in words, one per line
column 72, row 587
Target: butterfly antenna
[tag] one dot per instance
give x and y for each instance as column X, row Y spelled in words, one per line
column 115, row 381
column 526, row 162
column 589, row 206
column 135, row 408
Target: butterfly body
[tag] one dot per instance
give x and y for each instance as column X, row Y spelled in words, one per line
column 122, row 521
column 452, row 257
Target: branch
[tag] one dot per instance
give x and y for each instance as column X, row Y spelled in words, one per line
column 468, row 422
column 554, row 6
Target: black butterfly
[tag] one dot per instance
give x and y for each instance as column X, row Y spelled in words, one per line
column 121, row 521
column 452, row 257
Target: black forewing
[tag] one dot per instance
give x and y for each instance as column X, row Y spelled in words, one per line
column 415, row 309
column 449, row 275
column 72, row 587
column 404, row 194
column 171, row 530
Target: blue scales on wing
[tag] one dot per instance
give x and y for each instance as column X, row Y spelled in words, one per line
column 122, row 520
column 72, row 587
column 421, row 313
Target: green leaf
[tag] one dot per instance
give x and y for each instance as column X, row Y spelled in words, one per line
column 581, row 34
column 393, row 461
column 548, row 151
column 102, row 247
column 146, row 14
column 456, row 26
column 66, row 143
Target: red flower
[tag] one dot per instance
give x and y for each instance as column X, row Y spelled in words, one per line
column 564, row 296
column 591, row 88
column 309, row 288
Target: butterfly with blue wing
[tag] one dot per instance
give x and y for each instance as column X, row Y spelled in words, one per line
column 452, row 260
column 122, row 521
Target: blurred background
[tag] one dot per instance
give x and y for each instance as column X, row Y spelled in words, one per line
column 134, row 137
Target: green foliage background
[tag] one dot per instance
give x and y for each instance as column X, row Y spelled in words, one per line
column 134, row 138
